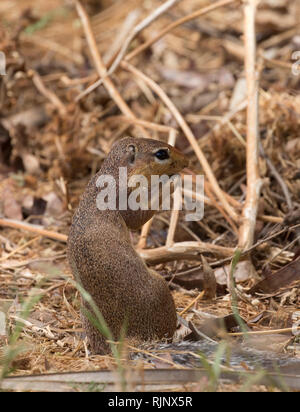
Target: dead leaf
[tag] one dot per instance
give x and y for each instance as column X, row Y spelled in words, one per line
column 239, row 93
column 275, row 342
column 22, row 363
column 11, row 207
column 219, row 326
column 212, row 327
column 31, row 164
column 199, row 81
column 293, row 146
column 31, row 118
column 244, row 271
column 283, row 277
column 54, row 204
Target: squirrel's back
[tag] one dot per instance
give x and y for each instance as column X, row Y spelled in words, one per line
column 103, row 259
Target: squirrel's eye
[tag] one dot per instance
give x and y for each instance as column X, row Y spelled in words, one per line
column 162, row 154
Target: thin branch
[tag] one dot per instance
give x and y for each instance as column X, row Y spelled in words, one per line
column 176, row 196
column 33, row 229
column 172, row 137
column 200, row 296
column 272, row 219
column 172, row 227
column 254, row 182
column 142, row 243
column 183, row 250
column 38, row 82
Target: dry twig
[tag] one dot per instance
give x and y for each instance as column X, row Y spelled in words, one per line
column 33, row 229
column 38, row 82
column 254, row 182
column 183, row 250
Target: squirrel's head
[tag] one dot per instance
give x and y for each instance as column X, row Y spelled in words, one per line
column 148, row 157
column 140, row 157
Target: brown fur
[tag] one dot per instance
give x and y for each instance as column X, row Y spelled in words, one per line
column 105, row 263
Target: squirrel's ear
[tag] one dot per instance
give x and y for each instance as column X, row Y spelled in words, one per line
column 132, row 150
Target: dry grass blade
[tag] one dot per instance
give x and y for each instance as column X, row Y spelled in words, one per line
column 200, row 296
column 267, row 332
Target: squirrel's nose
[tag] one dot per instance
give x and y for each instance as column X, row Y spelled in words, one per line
column 180, row 157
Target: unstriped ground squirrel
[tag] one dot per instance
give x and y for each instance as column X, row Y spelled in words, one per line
column 103, row 259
